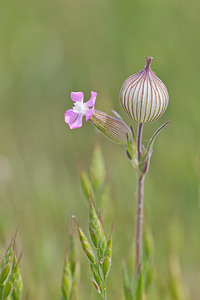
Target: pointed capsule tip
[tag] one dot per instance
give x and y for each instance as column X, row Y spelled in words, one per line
column 148, row 60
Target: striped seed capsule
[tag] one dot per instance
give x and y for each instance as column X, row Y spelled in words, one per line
column 115, row 129
column 143, row 96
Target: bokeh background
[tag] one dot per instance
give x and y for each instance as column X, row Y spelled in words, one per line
column 50, row 48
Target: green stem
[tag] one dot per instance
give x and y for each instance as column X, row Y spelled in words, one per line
column 104, row 291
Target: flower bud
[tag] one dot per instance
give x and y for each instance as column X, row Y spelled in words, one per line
column 144, row 96
column 115, row 129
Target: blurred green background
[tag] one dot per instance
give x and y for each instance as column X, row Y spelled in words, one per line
column 50, row 48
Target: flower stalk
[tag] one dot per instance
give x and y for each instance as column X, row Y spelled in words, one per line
column 139, row 224
column 139, row 208
column 143, row 159
column 139, row 136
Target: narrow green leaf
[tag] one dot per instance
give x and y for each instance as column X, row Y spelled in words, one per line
column 126, row 282
column 152, row 139
column 139, row 287
column 148, row 253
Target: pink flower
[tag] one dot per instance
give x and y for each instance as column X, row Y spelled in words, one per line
column 74, row 116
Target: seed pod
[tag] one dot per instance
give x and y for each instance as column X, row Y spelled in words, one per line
column 144, row 96
column 116, row 130
column 85, row 244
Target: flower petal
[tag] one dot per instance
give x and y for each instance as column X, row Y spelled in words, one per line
column 70, row 116
column 77, row 96
column 92, row 100
column 89, row 113
column 77, row 123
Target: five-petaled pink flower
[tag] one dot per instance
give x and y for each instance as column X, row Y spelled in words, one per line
column 74, row 116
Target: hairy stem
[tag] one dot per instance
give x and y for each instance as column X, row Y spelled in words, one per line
column 139, row 213
column 139, row 139
column 139, row 224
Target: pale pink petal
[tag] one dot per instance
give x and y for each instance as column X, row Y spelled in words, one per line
column 77, row 123
column 92, row 100
column 89, row 113
column 70, row 116
column 77, row 96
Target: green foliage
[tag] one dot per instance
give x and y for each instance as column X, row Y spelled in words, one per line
column 70, row 278
column 67, row 280
column 95, row 185
column 128, row 293
column 100, row 253
column 11, row 284
column 139, row 294
column 85, row 183
column 176, row 286
column 148, row 258
column 97, row 168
